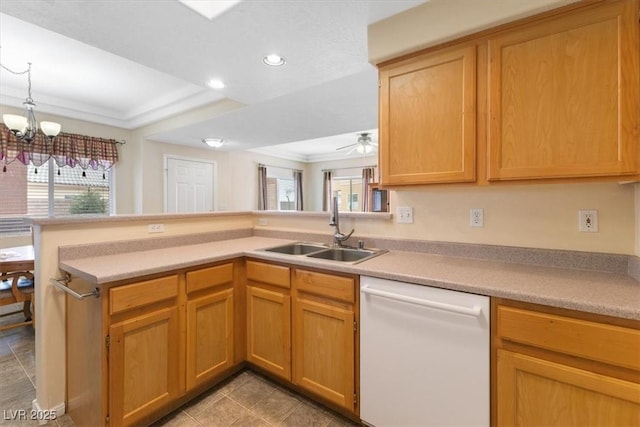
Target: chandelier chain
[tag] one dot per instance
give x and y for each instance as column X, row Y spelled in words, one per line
column 17, row 73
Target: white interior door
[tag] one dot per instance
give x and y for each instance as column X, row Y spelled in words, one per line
column 189, row 186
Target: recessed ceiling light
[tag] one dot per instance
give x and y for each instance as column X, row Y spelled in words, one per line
column 213, row 142
column 274, row 60
column 215, row 84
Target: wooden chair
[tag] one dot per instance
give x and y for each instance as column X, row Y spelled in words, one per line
column 17, row 287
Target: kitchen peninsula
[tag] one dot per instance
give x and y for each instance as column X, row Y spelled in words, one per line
column 126, row 255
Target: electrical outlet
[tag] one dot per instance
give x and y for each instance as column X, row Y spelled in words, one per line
column 476, row 217
column 155, row 228
column 404, row 215
column 262, row 221
column 588, row 221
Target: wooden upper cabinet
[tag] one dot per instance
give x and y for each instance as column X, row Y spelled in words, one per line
column 564, row 97
column 428, row 117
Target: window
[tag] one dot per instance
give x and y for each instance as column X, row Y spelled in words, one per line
column 29, row 191
column 281, row 189
column 349, row 193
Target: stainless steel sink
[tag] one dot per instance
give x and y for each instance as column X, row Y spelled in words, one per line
column 320, row 251
column 346, row 254
column 299, row 248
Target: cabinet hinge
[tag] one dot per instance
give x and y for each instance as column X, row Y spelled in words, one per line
column 355, row 399
column 355, row 326
column 106, row 420
column 107, row 342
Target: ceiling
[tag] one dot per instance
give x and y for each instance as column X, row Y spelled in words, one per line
column 132, row 63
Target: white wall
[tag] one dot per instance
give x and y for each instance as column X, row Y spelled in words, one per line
column 243, row 179
column 154, row 172
column 543, row 215
column 534, row 216
column 146, row 188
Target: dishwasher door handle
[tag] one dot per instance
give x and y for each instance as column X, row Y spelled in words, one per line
column 474, row 311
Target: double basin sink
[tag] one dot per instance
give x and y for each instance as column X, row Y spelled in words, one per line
column 320, row 251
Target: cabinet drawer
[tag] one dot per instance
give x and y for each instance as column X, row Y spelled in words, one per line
column 336, row 287
column 576, row 337
column 276, row 275
column 209, row 277
column 123, row 298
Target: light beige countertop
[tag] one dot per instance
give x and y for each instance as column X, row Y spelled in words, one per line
column 595, row 292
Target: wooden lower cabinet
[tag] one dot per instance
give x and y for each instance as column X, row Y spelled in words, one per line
column 142, row 348
column 269, row 331
column 210, row 324
column 143, row 365
column 269, row 318
column 556, row 367
column 301, row 328
column 324, row 336
column 324, row 351
column 537, row 392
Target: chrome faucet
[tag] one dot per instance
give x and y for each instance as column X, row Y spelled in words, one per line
column 338, row 236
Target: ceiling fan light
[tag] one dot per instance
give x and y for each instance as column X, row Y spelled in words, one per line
column 51, row 129
column 17, row 124
column 364, row 138
column 364, row 149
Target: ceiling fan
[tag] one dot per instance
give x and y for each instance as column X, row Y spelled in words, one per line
column 363, row 146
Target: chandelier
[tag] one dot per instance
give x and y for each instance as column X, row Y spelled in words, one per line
column 25, row 127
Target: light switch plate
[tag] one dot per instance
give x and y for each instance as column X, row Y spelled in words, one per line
column 404, row 215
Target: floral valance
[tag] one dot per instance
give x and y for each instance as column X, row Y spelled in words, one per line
column 66, row 149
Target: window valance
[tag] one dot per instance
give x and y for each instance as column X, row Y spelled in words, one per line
column 66, row 149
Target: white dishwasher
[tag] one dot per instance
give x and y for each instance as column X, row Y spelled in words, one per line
column 424, row 355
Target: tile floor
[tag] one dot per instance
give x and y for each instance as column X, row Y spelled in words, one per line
column 251, row 400
column 18, row 373
column 244, row 400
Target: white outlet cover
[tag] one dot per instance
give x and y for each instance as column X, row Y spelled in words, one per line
column 476, row 217
column 155, row 228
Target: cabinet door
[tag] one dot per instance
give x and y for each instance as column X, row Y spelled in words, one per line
column 269, row 331
column 564, row 96
column 143, row 365
column 536, row 392
column 428, row 118
column 323, row 349
column 209, row 336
